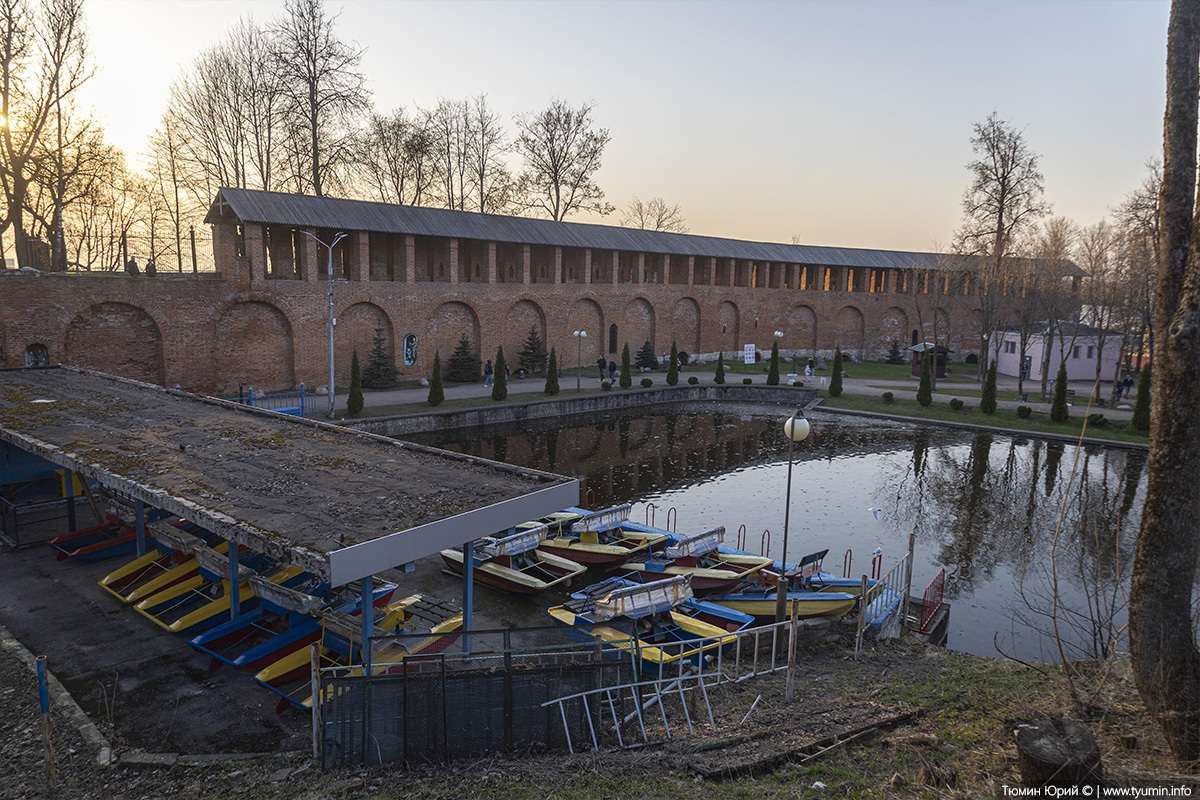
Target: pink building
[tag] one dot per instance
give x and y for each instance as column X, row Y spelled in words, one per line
column 1081, row 346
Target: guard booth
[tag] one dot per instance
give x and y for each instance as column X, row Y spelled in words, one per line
column 940, row 352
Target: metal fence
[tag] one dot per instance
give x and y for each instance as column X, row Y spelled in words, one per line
column 297, row 403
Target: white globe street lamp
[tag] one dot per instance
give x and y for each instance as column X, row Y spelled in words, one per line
column 579, row 337
column 332, row 321
column 796, row 429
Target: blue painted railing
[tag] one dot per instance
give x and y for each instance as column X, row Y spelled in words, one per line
column 294, row 403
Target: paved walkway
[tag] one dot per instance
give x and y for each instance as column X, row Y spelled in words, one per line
column 903, row 389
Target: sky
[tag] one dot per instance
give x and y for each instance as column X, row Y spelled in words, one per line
column 846, row 123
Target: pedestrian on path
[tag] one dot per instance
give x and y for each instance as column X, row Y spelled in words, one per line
column 489, row 373
column 612, row 372
column 602, row 363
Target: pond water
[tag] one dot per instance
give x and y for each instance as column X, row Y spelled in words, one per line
column 1009, row 518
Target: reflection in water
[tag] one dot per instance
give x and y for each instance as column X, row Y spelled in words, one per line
column 991, row 509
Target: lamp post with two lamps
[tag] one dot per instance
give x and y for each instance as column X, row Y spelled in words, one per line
column 795, row 428
column 579, row 335
column 341, row 235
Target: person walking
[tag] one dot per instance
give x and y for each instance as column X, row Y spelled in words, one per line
column 602, row 363
column 489, row 373
column 612, row 372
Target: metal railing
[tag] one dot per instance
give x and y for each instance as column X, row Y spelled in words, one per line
column 296, row 403
column 884, row 604
column 932, row 600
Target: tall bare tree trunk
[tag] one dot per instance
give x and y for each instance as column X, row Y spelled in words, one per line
column 1163, row 645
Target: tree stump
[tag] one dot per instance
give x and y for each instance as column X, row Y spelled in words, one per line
column 1057, row 752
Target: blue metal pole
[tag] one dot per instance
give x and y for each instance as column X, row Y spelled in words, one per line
column 44, row 702
column 139, row 511
column 468, row 591
column 368, row 621
column 235, row 592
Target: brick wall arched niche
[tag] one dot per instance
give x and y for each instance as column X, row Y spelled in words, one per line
column 448, row 323
column 254, row 347
column 117, row 338
column 355, row 330
column 520, row 317
column 729, row 327
column 848, row 330
column 893, row 326
column 638, row 326
column 801, row 330
column 685, row 325
column 585, row 315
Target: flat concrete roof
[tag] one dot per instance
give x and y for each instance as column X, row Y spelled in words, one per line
column 341, row 503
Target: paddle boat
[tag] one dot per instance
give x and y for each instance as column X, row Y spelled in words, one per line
column 808, row 576
column 698, row 556
column 434, row 623
column 515, row 564
column 600, row 538
column 286, row 620
column 169, row 547
column 651, row 619
column 760, row 602
column 96, row 542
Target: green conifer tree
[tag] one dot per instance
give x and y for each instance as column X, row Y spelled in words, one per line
column 380, row 372
column 500, row 386
column 532, row 357
column 987, row 403
column 552, row 374
column 894, row 355
column 354, row 403
column 835, row 383
column 925, row 388
column 673, row 367
column 773, row 370
column 720, row 376
column 1058, row 409
column 1141, row 406
column 436, row 393
column 645, row 357
column 464, row 365
column 626, row 368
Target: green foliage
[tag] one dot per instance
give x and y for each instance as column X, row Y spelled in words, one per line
column 1058, row 409
column 436, row 393
column 747, row 381
column 354, row 403
column 835, row 383
column 1097, row 420
column 987, row 403
column 894, row 355
column 645, row 357
column 1024, row 412
column 626, row 370
column 693, row 380
column 552, row 374
column 888, row 397
column 500, row 386
column 773, row 371
column 720, row 376
column 381, row 369
column 673, row 367
column 532, row 357
column 647, row 383
column 464, row 365
column 925, row 389
column 605, row 386
column 1141, row 406
column 956, row 404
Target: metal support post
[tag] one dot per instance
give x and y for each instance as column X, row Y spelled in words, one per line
column 139, row 512
column 235, row 591
column 69, row 493
column 468, row 550
column 368, row 622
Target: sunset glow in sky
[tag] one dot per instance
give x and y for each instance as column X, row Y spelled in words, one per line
column 845, row 122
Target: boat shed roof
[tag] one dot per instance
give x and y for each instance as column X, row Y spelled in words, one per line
column 341, row 503
column 306, row 211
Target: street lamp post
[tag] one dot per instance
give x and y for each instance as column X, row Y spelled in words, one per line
column 579, row 337
column 332, row 321
column 796, row 430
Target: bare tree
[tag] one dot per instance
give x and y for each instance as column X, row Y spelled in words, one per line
column 395, row 158
column 1139, row 216
column 447, row 125
column 1055, row 297
column 1105, row 288
column 1166, row 662
column 1004, row 196
column 42, row 66
column 562, row 151
column 322, row 86
column 489, row 179
column 654, row 215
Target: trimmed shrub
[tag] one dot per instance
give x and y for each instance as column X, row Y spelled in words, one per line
column 552, row 374
column 773, row 370
column 626, row 379
column 888, row 397
column 673, row 367
column 500, row 386
column 693, row 380
column 647, row 383
column 747, row 381
column 1096, row 420
column 354, row 403
column 1024, row 412
column 987, row 403
column 720, row 376
column 436, row 393
column 605, row 386
column 955, row 404
column 1058, row 409
column 835, row 384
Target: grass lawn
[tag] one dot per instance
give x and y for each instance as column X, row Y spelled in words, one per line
column 1118, row 431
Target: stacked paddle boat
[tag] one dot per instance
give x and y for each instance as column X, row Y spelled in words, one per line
column 831, row 597
column 168, row 560
column 698, row 556
column 514, row 563
column 428, row 627
column 660, row 622
column 601, row 538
